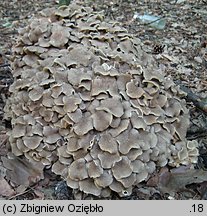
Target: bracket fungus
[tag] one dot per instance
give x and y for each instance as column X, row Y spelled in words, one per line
column 88, row 102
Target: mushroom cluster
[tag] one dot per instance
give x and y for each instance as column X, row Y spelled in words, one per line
column 89, row 103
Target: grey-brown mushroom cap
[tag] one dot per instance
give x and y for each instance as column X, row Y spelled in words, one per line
column 129, row 139
column 101, row 120
column 60, row 35
column 108, row 144
column 77, row 170
column 32, row 142
column 83, row 126
column 94, row 169
column 112, row 105
column 104, row 180
column 88, row 186
column 122, row 168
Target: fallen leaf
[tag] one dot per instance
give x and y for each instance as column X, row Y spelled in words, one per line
column 158, row 176
column 21, row 171
column 178, row 178
column 173, row 59
column 39, row 194
column 2, row 172
column 5, row 189
column 20, row 189
column 3, row 138
column 63, row 2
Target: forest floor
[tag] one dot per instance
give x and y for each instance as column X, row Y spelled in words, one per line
column 180, row 48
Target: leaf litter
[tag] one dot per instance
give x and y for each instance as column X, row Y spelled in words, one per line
column 176, row 180
column 22, row 172
column 183, row 56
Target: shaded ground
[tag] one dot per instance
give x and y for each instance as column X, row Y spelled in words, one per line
column 181, row 49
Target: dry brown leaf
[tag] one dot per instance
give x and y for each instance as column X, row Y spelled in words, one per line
column 3, row 138
column 39, row 194
column 21, row 171
column 5, row 189
column 2, row 172
column 20, row 189
column 173, row 59
column 179, row 178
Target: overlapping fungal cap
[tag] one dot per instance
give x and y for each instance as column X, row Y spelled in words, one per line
column 89, row 102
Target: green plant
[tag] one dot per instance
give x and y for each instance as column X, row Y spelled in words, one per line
column 63, row 2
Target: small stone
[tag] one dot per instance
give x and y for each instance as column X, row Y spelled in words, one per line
column 198, row 59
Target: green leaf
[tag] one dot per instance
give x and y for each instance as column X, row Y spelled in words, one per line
column 64, row 2
column 7, row 25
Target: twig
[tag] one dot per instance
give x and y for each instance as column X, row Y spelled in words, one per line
column 4, row 139
column 4, row 65
column 19, row 194
column 23, row 192
column 195, row 134
column 200, row 104
column 154, row 20
column 9, row 32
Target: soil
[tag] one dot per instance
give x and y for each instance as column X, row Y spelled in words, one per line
column 180, row 49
